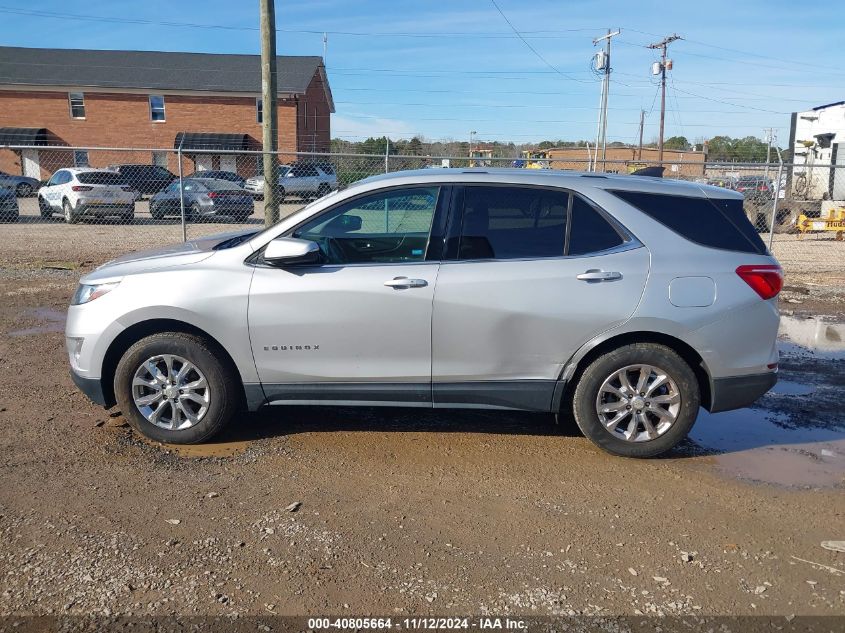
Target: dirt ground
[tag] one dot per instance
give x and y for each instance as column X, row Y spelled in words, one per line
column 406, row 512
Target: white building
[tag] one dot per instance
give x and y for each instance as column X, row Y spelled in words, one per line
column 817, row 140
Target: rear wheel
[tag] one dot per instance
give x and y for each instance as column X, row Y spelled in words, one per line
column 156, row 213
column 23, row 190
column 173, row 387
column 639, row 400
column 70, row 215
column 194, row 212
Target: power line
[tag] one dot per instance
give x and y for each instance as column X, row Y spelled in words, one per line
column 528, row 45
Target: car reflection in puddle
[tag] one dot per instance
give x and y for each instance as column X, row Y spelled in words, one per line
column 795, row 436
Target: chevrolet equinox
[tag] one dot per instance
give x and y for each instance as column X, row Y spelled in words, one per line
column 629, row 301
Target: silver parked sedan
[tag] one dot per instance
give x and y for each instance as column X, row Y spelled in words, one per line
column 203, row 198
column 629, row 301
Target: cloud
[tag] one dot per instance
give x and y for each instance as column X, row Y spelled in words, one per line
column 355, row 128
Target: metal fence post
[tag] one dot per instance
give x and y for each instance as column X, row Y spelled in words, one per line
column 181, row 192
column 386, row 153
column 775, row 203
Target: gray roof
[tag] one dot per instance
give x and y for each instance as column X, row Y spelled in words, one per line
column 152, row 70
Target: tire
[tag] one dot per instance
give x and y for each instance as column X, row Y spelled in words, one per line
column 156, row 214
column 786, row 220
column 44, row 209
column 280, row 195
column 128, row 216
column 70, row 216
column 221, row 394
column 323, row 190
column 23, row 190
column 194, row 212
column 682, row 388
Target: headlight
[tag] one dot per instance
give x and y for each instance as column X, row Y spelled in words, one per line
column 85, row 292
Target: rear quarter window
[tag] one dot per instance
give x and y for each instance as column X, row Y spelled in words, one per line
column 719, row 223
column 100, row 178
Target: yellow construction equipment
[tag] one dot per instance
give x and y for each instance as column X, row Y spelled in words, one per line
column 830, row 220
column 536, row 159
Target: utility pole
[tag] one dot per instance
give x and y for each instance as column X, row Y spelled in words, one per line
column 663, row 45
column 603, row 64
column 269, row 123
column 642, row 124
column 770, row 135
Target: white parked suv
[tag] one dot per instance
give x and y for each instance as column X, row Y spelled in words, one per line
column 87, row 192
column 301, row 180
column 627, row 301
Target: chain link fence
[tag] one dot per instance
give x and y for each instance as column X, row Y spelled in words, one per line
column 111, row 200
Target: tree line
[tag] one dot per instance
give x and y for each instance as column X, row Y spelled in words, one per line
column 718, row 148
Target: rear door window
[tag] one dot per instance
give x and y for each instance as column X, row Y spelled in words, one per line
column 513, row 222
column 719, row 223
column 590, row 231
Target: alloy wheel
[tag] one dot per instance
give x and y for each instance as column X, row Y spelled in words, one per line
column 171, row 392
column 638, row 403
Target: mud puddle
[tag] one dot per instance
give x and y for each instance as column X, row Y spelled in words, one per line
column 50, row 320
column 818, row 336
column 762, row 445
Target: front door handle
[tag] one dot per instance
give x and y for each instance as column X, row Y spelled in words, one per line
column 599, row 275
column 404, row 282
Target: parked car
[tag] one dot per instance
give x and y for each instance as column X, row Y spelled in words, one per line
column 758, row 188
column 145, row 179
column 217, row 174
column 9, row 211
column 87, row 192
column 300, row 179
column 727, row 182
column 23, row 186
column 204, row 198
column 626, row 300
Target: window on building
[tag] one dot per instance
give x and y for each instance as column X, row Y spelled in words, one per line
column 513, row 222
column 156, row 108
column 80, row 158
column 259, row 110
column 77, row 105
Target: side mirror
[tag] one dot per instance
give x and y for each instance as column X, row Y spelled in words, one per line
column 290, row 251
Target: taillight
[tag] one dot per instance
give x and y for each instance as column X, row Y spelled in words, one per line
column 81, row 188
column 213, row 194
column 765, row 279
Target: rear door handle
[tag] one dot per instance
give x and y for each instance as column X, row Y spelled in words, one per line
column 599, row 275
column 404, row 282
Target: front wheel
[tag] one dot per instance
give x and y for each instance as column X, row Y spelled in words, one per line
column 44, row 209
column 174, row 388
column 639, row 400
column 23, row 190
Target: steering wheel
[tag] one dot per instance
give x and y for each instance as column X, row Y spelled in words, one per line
column 333, row 252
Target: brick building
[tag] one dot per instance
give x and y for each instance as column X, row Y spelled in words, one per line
column 626, row 159
column 152, row 100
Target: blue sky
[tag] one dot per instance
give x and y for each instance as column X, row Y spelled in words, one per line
column 442, row 69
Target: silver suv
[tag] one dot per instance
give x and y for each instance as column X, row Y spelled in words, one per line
column 629, row 301
column 301, row 180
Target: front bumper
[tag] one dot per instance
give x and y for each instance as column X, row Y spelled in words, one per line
column 737, row 392
column 91, row 387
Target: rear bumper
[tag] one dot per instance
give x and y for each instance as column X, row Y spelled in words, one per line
column 739, row 391
column 91, row 387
